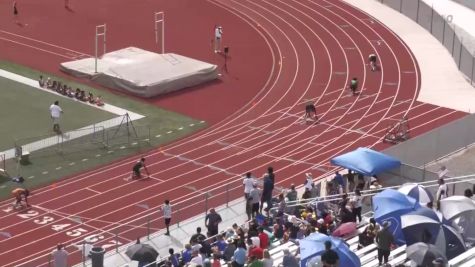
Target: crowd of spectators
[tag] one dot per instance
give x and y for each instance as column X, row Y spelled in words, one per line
column 66, row 90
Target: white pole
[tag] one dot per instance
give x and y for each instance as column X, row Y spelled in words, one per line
column 95, row 53
column 163, row 32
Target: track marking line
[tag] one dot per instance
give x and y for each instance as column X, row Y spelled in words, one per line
column 71, row 164
column 45, row 172
column 58, row 168
column 95, row 191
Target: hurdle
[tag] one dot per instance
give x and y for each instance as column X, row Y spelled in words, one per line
column 159, row 18
column 100, row 32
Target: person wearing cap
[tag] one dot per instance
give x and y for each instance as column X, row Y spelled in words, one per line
column 384, row 241
column 289, row 260
column 60, row 256
column 329, row 257
column 218, row 35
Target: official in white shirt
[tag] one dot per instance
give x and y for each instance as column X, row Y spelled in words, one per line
column 55, row 112
column 167, row 214
column 218, row 35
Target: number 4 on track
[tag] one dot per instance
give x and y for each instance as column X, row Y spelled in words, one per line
column 59, row 227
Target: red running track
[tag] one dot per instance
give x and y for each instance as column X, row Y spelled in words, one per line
column 317, row 46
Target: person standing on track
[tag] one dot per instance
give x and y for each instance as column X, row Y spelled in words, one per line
column 218, row 34
column 310, row 112
column 354, row 86
column 136, row 174
column 60, row 256
column 167, row 214
column 19, row 194
column 15, row 12
column 372, row 61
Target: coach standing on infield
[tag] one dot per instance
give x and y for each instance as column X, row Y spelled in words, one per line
column 56, row 111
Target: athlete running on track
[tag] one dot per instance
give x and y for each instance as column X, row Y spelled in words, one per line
column 136, row 174
column 372, row 62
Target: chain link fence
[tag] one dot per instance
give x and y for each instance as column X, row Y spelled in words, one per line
column 456, row 40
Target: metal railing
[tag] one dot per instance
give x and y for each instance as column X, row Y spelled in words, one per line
column 441, row 27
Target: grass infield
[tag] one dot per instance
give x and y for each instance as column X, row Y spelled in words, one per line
column 50, row 165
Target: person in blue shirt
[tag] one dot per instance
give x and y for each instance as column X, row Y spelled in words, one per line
column 186, row 255
column 239, row 258
column 173, row 259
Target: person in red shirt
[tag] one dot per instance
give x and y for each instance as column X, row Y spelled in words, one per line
column 255, row 250
column 264, row 238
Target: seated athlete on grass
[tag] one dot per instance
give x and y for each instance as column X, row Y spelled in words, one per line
column 99, row 101
column 19, row 194
column 136, row 174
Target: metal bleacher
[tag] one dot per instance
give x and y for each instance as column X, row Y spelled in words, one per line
column 465, row 259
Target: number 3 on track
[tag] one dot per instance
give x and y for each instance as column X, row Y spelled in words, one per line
column 76, row 232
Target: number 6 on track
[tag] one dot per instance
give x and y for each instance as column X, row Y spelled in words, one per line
column 76, row 232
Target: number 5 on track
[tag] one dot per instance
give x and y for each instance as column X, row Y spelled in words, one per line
column 76, row 232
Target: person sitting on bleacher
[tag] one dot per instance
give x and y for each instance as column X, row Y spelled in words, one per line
column 41, row 82
column 239, row 257
column 366, row 238
column 186, row 255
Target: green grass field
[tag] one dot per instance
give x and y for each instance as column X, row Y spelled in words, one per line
column 50, row 165
column 26, row 115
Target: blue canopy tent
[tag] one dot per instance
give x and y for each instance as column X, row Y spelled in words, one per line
column 366, row 161
column 314, row 245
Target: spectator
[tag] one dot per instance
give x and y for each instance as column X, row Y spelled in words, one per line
column 443, row 190
column 230, row 232
column 278, row 231
column 239, row 258
column 306, row 194
column 99, row 101
column 173, row 259
column 197, row 236
column 212, row 220
column 366, row 238
column 55, row 112
column 187, row 254
column 248, row 182
column 255, row 262
column 329, row 257
column 351, row 180
column 254, row 251
column 267, row 193
column 263, row 238
column 384, row 241
column 357, row 204
column 468, row 193
column 216, row 261
column 255, row 196
column 315, row 191
column 267, row 260
column 308, row 181
column 221, row 244
column 339, row 181
column 230, row 249
column 197, row 259
column 282, row 205
column 167, row 215
column 292, row 194
column 59, row 256
column 249, row 209
column 289, row 260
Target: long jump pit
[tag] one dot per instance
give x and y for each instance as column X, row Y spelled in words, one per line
column 143, row 73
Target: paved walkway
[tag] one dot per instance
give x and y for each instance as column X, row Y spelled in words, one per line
column 442, row 84
column 90, row 129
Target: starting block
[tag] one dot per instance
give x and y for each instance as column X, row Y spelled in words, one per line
column 398, row 132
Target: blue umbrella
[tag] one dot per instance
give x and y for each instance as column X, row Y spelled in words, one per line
column 389, row 206
column 416, row 191
column 314, row 245
column 423, row 225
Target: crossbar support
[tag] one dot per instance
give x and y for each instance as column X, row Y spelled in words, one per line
column 159, row 18
column 101, row 31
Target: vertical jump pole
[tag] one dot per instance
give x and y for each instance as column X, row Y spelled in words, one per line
column 100, row 31
column 159, row 18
